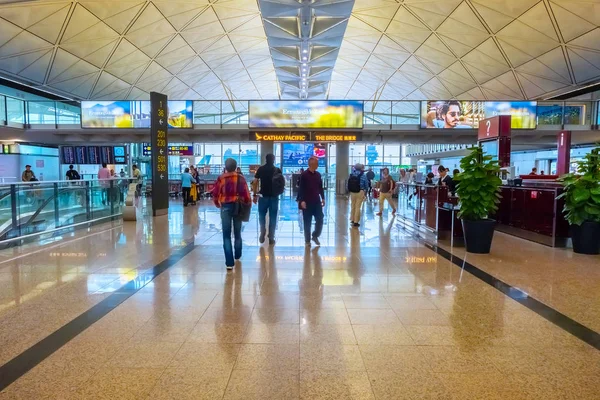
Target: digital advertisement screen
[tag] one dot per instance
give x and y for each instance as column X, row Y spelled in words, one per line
column 133, row 114
column 106, row 114
column 305, row 114
column 523, row 113
column 456, row 114
column 297, row 154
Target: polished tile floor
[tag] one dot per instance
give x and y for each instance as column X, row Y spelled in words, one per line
column 371, row 314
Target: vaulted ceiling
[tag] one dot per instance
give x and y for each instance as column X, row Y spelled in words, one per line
column 249, row 49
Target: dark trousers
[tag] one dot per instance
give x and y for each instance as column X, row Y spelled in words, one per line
column 185, row 191
column 270, row 205
column 312, row 210
column 227, row 220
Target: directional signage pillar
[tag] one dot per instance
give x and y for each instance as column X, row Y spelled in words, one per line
column 160, row 163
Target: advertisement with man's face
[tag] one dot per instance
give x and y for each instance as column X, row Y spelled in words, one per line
column 455, row 114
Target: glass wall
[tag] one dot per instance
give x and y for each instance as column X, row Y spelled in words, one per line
column 15, row 112
column 376, row 155
column 2, row 110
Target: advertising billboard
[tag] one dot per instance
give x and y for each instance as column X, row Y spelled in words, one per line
column 296, row 155
column 320, row 114
column 455, row 114
column 133, row 114
column 106, row 114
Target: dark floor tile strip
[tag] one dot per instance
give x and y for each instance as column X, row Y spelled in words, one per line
column 557, row 318
column 24, row 362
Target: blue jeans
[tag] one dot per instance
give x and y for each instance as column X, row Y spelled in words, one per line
column 270, row 204
column 227, row 220
column 312, row 210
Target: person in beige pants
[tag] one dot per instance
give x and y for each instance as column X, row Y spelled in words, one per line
column 358, row 186
column 386, row 187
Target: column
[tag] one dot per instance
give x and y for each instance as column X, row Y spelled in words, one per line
column 342, row 154
column 266, row 148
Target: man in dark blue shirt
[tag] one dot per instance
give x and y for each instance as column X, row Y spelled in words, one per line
column 311, row 198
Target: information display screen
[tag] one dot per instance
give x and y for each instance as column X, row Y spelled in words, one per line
column 106, row 155
column 306, row 114
column 80, row 155
column 68, row 155
column 490, row 148
column 120, row 155
column 456, row 114
column 93, row 155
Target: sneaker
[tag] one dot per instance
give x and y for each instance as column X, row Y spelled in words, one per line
column 379, row 214
column 261, row 239
column 307, row 244
column 229, row 267
column 356, row 225
column 316, row 240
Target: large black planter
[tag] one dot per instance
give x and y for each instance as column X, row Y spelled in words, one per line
column 586, row 238
column 478, row 235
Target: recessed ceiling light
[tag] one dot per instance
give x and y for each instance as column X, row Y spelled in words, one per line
column 305, row 51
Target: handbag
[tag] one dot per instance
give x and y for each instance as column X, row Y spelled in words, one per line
column 242, row 209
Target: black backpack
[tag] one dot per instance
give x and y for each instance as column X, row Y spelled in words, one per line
column 278, row 183
column 354, row 183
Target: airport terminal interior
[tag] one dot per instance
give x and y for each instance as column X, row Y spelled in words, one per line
column 166, row 165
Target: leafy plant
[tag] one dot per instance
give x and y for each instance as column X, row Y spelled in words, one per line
column 582, row 190
column 478, row 185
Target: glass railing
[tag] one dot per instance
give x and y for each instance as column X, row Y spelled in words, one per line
column 382, row 114
column 42, row 209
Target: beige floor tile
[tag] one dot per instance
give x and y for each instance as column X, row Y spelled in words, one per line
column 275, row 316
column 332, row 316
column 372, row 316
column 218, row 333
column 161, row 330
column 191, row 383
column 212, row 356
column 263, row 385
column 331, row 385
column 398, row 302
column 316, row 334
column 422, row 317
column 136, row 354
column 395, row 385
column 433, row 335
column 381, row 358
column 450, row 359
column 392, row 334
column 272, row 357
column 226, row 316
column 290, row 301
column 273, row 333
column 321, row 301
column 576, row 387
column 120, row 383
column 330, row 357
column 369, row 301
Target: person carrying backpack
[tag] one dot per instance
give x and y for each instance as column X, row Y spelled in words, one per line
column 272, row 185
column 72, row 174
column 358, row 186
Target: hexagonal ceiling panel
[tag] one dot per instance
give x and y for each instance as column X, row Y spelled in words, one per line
column 232, row 49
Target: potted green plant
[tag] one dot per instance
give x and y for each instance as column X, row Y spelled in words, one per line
column 478, row 191
column 582, row 204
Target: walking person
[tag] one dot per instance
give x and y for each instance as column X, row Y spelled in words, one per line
column 370, row 176
column 272, row 185
column 72, row 174
column 186, row 186
column 311, row 199
column 229, row 194
column 103, row 176
column 358, row 186
column 386, row 187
